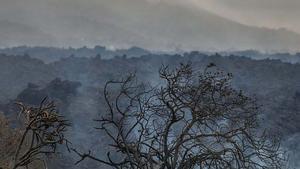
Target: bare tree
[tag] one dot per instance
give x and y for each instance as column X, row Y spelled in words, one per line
column 44, row 130
column 192, row 120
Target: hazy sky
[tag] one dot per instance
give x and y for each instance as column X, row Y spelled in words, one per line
column 78, row 22
column 268, row 13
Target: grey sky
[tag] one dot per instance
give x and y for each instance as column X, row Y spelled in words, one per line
column 148, row 23
column 267, row 13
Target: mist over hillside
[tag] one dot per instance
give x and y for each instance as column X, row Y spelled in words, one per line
column 275, row 84
column 51, row 54
column 152, row 25
column 222, row 72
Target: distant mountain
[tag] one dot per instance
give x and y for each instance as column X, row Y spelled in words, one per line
column 15, row 34
column 158, row 26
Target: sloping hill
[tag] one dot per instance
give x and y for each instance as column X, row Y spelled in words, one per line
column 161, row 25
column 14, row 34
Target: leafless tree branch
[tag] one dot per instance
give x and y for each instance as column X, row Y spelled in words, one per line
column 194, row 120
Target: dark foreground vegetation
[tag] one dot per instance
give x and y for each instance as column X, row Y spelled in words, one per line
column 191, row 120
column 147, row 125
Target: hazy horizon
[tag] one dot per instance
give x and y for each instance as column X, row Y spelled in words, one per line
column 265, row 25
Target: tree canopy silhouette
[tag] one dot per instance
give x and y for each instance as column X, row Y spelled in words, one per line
column 193, row 119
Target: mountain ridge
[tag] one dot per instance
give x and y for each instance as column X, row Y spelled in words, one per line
column 158, row 26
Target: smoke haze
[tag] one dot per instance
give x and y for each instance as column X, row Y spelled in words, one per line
column 153, row 24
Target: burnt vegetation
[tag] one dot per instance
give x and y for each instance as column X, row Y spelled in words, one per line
column 144, row 125
column 193, row 120
column 41, row 132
